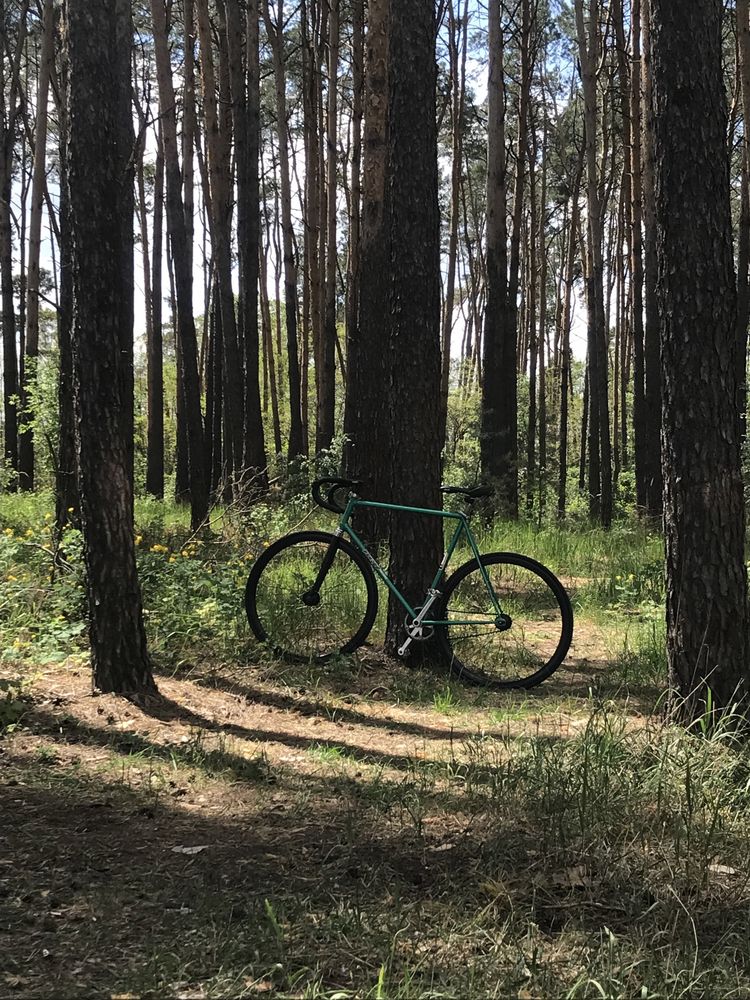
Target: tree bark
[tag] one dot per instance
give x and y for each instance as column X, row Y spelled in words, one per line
column 297, row 446
column 100, row 181
column 246, row 118
column 416, row 543
column 189, row 384
column 327, row 356
column 704, row 516
column 600, row 458
column 38, row 187
column 652, row 349
column 154, row 344
column 499, row 418
column 9, row 111
column 743, row 252
column 66, row 480
column 368, row 390
column 219, row 201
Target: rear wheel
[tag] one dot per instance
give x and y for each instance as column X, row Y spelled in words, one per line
column 299, row 620
column 523, row 646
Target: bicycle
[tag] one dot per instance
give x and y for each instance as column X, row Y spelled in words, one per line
column 501, row 620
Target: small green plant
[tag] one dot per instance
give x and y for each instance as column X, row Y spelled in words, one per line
column 446, row 700
column 13, row 704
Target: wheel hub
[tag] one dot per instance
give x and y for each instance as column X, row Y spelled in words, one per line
column 311, row 599
column 503, row 623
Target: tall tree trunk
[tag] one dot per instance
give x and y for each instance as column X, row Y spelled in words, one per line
column 704, row 515
column 9, row 112
column 154, row 344
column 297, row 446
column 631, row 186
column 648, row 445
column 66, row 482
column 38, row 187
column 367, row 388
column 743, row 254
column 498, row 433
column 327, row 359
column 565, row 351
column 353, row 276
column 600, row 459
column 459, row 29
column 246, row 118
column 414, row 272
column 652, row 348
column 189, row 384
column 100, row 180
column 219, row 200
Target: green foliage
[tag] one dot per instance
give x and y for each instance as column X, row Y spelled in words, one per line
column 13, row 703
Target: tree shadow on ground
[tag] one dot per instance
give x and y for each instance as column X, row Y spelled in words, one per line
column 98, row 901
column 580, row 681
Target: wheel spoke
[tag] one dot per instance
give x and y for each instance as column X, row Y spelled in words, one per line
column 312, row 630
column 541, row 621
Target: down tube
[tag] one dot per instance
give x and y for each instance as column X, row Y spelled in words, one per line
column 380, row 571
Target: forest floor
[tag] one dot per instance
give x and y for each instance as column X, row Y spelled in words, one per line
column 362, row 829
column 367, row 830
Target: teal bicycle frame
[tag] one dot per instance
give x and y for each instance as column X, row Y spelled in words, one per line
column 418, row 619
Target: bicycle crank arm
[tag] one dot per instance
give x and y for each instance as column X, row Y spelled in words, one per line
column 415, row 631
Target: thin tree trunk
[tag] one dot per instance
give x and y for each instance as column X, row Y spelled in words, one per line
column 355, row 213
column 219, row 201
column 652, row 349
column 246, row 104
column 188, row 348
column 297, row 446
column 327, row 358
column 459, row 29
column 600, row 458
column 38, row 185
column 565, row 344
column 368, row 389
column 66, row 482
column 743, row 253
column 154, row 344
column 498, row 432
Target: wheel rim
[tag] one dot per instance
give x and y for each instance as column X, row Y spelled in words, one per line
column 502, row 656
column 296, row 625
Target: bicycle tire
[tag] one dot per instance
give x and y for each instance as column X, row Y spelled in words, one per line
column 284, row 573
column 538, row 639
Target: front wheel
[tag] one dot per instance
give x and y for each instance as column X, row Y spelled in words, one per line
column 523, row 645
column 311, row 596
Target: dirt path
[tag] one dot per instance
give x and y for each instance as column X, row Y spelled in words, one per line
column 142, row 847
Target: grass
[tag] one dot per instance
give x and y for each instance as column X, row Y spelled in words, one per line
column 358, row 829
column 608, row 861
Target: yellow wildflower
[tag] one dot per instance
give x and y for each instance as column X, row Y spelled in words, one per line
column 173, row 559
column 138, row 539
column 8, row 532
column 29, row 532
